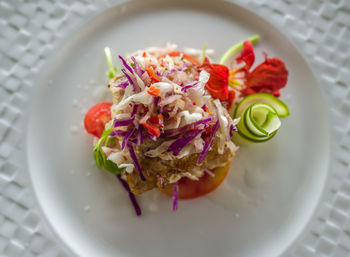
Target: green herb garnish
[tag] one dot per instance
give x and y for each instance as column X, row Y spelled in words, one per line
column 112, row 70
column 101, row 158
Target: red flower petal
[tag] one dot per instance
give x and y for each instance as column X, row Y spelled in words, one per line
column 268, row 77
column 247, row 55
column 247, row 91
column 231, row 97
column 218, row 81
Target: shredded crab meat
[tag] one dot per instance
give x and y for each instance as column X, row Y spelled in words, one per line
column 128, row 167
column 199, row 52
column 119, row 157
column 160, row 149
column 170, row 94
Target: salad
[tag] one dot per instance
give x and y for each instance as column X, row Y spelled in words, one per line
column 177, row 118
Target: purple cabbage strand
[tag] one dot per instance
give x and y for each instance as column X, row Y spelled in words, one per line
column 184, row 140
column 132, row 197
column 136, row 163
column 137, row 67
column 208, row 143
column 126, row 65
column 175, row 196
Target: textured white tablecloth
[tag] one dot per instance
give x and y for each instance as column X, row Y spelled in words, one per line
column 31, row 29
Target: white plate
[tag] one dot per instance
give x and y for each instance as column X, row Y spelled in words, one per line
column 270, row 193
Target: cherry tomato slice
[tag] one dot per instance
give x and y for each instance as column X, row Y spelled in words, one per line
column 97, row 117
column 189, row 189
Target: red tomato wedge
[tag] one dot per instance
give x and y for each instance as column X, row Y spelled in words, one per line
column 189, row 189
column 97, row 117
column 185, row 56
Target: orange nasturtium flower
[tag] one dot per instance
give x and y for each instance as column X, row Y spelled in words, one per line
column 218, row 81
column 268, row 77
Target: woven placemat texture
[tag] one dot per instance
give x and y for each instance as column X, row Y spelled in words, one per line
column 30, row 30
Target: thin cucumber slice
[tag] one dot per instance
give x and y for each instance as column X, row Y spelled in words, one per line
column 280, row 107
column 262, row 119
column 259, row 114
column 251, row 127
column 243, row 131
column 260, row 140
column 272, row 123
column 262, row 128
column 234, row 49
column 248, row 135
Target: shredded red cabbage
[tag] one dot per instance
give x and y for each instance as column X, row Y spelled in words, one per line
column 154, row 138
column 129, row 79
column 205, row 126
column 121, row 123
column 118, row 133
column 156, row 100
column 208, row 143
column 137, row 68
column 172, row 71
column 136, row 163
column 203, row 121
column 175, row 197
column 126, row 137
column 123, row 84
column 184, row 89
column 189, row 64
column 126, row 65
column 134, row 110
column 184, row 128
column 184, row 140
column 233, row 128
column 138, row 136
column 162, row 110
column 131, row 196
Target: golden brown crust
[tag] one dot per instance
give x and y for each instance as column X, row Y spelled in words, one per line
column 160, row 172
